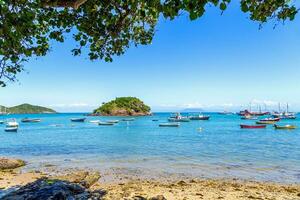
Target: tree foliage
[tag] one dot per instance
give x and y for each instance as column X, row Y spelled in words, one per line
column 102, row 28
column 130, row 105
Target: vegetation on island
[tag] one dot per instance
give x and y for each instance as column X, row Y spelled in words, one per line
column 123, row 106
column 103, row 28
column 26, row 109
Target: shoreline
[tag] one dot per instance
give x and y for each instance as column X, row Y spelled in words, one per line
column 126, row 186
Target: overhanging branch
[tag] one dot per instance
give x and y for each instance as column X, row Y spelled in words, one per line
column 64, row 3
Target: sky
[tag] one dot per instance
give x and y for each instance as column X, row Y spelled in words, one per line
column 218, row 62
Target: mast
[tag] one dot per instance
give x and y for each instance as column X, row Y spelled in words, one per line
column 279, row 109
column 287, row 107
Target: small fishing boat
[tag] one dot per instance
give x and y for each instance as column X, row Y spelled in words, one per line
column 249, row 117
column 1, row 122
column 128, row 119
column 181, row 119
column 199, row 117
column 154, row 120
column 12, row 123
column 270, row 119
column 265, row 122
column 27, row 120
column 113, row 121
column 169, row 125
column 11, row 129
column 105, row 124
column 285, row 126
column 94, row 121
column 252, row 126
column 78, row 119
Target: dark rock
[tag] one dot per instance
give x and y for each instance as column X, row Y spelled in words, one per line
column 138, row 198
column 45, row 189
column 90, row 179
column 158, row 197
column 8, row 163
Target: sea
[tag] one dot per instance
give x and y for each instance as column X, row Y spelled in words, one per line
column 217, row 148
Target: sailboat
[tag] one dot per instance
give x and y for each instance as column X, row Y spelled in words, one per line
column 284, row 115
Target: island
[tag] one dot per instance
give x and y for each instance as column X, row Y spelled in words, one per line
column 123, row 106
column 26, row 109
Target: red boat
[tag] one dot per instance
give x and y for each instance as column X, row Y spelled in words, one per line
column 252, row 126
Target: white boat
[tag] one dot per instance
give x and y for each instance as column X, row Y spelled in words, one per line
column 1, row 122
column 95, row 121
column 169, row 124
column 12, row 123
column 113, row 121
column 128, row 119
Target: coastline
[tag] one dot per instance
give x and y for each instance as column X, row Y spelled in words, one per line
column 128, row 187
column 121, row 184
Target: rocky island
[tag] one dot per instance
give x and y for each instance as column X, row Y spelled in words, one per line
column 26, row 109
column 123, row 106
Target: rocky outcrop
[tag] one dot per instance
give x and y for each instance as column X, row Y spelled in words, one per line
column 84, row 178
column 123, row 106
column 8, row 163
column 46, row 189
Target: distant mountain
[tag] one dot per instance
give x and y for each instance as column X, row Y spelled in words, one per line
column 26, row 109
column 192, row 110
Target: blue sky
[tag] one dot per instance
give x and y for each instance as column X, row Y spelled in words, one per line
column 216, row 62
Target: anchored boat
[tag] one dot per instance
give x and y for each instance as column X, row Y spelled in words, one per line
column 11, row 129
column 252, row 126
column 27, row 120
column 169, row 124
column 270, row 119
column 12, row 123
column 106, row 124
column 249, row 117
column 128, row 119
column 95, row 121
column 113, row 121
column 265, row 122
column 199, row 117
column 285, row 126
column 78, row 119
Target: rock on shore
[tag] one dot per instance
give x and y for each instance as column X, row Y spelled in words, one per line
column 9, row 163
column 45, row 189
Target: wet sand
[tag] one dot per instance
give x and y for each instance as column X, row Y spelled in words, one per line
column 175, row 188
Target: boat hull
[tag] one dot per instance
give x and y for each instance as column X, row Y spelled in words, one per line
column 252, row 126
column 78, row 119
column 286, row 127
column 200, row 118
column 30, row 120
column 265, row 122
column 11, row 129
column 105, row 124
column 169, row 125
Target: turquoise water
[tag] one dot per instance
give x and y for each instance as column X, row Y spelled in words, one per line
column 221, row 149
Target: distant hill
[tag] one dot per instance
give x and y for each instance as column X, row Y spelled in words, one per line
column 123, row 106
column 26, row 109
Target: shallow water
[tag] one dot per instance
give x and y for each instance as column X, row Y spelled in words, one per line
column 220, row 150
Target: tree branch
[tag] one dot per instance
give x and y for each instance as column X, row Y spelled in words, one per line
column 64, row 3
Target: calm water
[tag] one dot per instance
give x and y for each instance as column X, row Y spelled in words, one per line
column 220, row 150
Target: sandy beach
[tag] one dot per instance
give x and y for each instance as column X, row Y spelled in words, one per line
column 127, row 187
